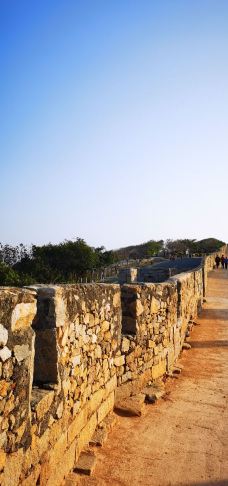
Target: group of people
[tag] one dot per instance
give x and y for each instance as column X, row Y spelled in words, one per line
column 223, row 260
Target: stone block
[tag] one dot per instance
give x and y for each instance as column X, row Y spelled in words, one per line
column 110, row 385
column 158, row 370
column 58, row 450
column 139, row 308
column 155, row 305
column 2, row 459
column 13, row 468
column 132, row 406
column 23, row 315
column 109, row 422
column 38, row 447
column 44, row 404
column 5, row 354
column 60, row 470
column 95, row 400
column 77, row 425
column 86, row 434
column 99, row 437
column 119, row 360
column 106, row 407
column 86, row 463
column 3, row 336
column 31, row 480
column 21, row 352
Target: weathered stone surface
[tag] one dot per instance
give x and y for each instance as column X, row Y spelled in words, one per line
column 21, row 352
column 132, row 406
column 32, row 479
column 77, row 425
column 41, row 402
column 23, row 315
column 154, row 392
column 109, row 422
column 186, row 346
column 106, row 407
column 82, row 363
column 86, row 463
column 86, row 434
column 5, row 353
column 99, row 437
column 13, row 468
column 3, row 336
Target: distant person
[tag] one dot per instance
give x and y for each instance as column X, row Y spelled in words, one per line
column 217, row 261
column 222, row 261
column 226, row 262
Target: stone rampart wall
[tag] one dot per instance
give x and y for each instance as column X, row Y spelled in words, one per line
column 67, row 352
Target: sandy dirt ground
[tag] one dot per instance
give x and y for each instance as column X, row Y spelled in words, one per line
column 183, row 438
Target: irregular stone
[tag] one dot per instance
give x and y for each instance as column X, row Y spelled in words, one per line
column 76, row 360
column 2, row 459
column 41, row 402
column 132, row 406
column 139, row 308
column 155, row 391
column 186, row 346
column 125, row 345
column 59, row 410
column 154, row 307
column 106, row 407
column 99, row 437
column 119, row 360
column 23, row 315
column 5, row 353
column 13, row 467
column 86, row 463
column 3, row 336
column 21, row 352
column 176, row 370
column 109, row 422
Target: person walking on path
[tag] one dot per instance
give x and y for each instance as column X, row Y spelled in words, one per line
column 222, row 261
column 217, row 261
column 226, row 262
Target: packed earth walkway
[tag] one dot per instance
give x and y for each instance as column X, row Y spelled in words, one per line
column 183, row 438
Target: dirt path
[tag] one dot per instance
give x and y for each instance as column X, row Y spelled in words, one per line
column 183, row 439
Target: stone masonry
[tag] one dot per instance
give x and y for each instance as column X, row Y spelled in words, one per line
column 67, row 352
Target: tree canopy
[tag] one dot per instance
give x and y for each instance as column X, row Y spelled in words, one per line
column 71, row 260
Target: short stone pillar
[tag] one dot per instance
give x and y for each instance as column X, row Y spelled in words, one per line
column 128, row 275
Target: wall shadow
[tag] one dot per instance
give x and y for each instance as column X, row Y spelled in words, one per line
column 209, row 344
column 222, row 482
column 216, row 314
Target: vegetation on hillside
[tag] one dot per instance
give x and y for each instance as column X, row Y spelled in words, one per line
column 177, row 247
column 63, row 262
column 71, row 260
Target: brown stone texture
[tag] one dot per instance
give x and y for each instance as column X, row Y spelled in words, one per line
column 68, row 353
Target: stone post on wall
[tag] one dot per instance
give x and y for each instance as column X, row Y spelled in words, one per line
column 128, row 275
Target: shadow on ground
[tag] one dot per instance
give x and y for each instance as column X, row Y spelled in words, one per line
column 209, row 344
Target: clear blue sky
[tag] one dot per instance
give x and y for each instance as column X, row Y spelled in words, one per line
column 114, row 120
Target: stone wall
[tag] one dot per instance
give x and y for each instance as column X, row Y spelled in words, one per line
column 67, row 352
column 55, row 407
column 154, row 326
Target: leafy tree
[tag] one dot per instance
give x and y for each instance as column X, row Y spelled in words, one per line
column 179, row 247
column 209, row 245
column 59, row 263
column 105, row 257
column 154, row 247
column 8, row 276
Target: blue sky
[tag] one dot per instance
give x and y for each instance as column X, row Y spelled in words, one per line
column 114, row 120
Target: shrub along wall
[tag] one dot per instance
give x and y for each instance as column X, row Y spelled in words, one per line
column 67, row 351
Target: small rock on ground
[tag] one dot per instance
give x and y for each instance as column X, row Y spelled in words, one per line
column 132, row 406
column 86, row 463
